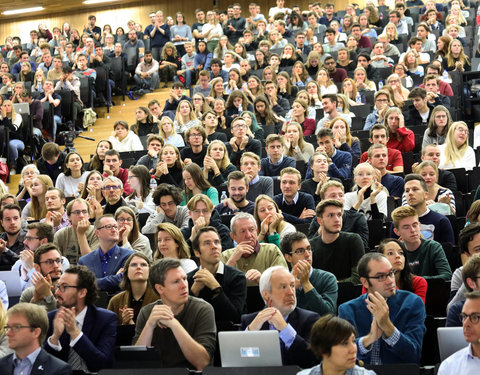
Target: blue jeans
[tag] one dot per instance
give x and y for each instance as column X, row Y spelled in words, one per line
column 14, row 146
column 189, row 75
column 56, row 121
column 151, row 83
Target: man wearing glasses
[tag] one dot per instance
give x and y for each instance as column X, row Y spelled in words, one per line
column 467, row 360
column 46, row 272
column 241, row 142
column 316, row 289
column 79, row 332
column 79, row 238
column 108, row 260
column 26, row 330
column 196, row 150
column 112, row 189
column 389, row 322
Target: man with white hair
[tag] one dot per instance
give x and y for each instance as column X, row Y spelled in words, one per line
column 277, row 287
column 112, row 189
column 249, row 255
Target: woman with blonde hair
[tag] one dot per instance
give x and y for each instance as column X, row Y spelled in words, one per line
column 300, row 116
column 456, row 60
column 172, row 244
column 372, row 16
column 436, row 193
column 391, row 33
column 169, row 63
column 455, row 152
column 200, row 105
column 26, row 74
column 270, row 222
column 135, row 287
column 36, row 209
column 343, row 138
column 217, row 90
column 349, row 89
column 166, row 130
column 254, row 87
column 129, row 236
column 217, row 165
column 185, row 117
column 4, row 347
column 361, row 80
column 313, row 63
column 400, row 93
column 343, row 105
column 412, row 63
column 212, row 31
column 368, row 195
column 289, row 56
column 222, row 47
column 13, row 123
column 269, row 74
column 401, row 138
column 325, row 83
column 195, row 183
column 92, row 193
column 295, row 146
column 438, row 125
column 170, row 166
column 315, row 96
column 29, row 172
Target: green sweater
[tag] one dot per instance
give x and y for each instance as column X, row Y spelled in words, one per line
column 268, row 256
column 429, row 261
column 323, row 297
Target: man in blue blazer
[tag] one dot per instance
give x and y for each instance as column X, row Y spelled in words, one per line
column 26, row 329
column 277, row 287
column 108, row 259
column 81, row 333
column 390, row 323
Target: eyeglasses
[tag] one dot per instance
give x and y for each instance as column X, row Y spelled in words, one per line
column 15, row 328
column 78, row 212
column 49, row 262
column 383, row 277
column 195, row 135
column 474, row 318
column 62, row 288
column 462, row 130
column 239, row 126
column 28, row 238
column 111, row 187
column 125, row 220
column 301, row 251
column 109, row 227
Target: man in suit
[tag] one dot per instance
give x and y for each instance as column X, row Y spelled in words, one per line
column 224, row 287
column 26, row 329
column 79, row 332
column 277, row 287
column 389, row 322
column 108, row 259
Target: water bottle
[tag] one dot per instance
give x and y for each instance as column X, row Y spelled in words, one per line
column 153, row 183
column 358, row 98
column 224, row 196
column 445, row 75
column 380, row 85
column 339, row 109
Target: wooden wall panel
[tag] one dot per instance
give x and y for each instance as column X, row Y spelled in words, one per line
column 117, row 15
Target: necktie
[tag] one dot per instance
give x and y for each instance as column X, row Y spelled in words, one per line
column 75, row 360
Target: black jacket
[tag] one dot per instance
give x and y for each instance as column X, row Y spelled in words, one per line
column 55, row 170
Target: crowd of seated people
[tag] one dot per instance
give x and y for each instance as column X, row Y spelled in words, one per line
column 310, row 172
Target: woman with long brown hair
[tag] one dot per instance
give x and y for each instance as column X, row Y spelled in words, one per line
column 145, row 124
column 96, row 162
column 195, row 183
column 270, row 222
column 129, row 232
column 141, row 196
column 92, row 193
column 170, row 166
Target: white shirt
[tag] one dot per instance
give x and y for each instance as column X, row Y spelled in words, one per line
column 462, row 362
column 467, row 162
column 130, row 143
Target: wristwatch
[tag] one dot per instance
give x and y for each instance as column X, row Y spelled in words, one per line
column 49, row 299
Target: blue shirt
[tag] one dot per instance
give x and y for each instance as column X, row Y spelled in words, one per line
column 24, row 366
column 104, row 258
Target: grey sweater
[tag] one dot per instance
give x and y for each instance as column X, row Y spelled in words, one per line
column 180, row 220
column 263, row 186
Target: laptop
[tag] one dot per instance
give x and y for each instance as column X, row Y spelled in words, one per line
column 450, row 340
column 22, row 108
column 12, row 281
column 249, row 348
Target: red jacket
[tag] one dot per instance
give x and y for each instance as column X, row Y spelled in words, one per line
column 407, row 143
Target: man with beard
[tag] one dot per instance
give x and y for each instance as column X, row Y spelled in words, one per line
column 237, row 186
column 108, row 260
column 146, row 73
column 249, row 255
column 333, row 250
column 47, row 271
column 222, row 286
column 56, row 215
column 79, row 332
column 11, row 241
column 277, row 287
column 389, row 322
column 37, row 234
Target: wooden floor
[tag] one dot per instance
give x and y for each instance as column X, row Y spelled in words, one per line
column 103, row 128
